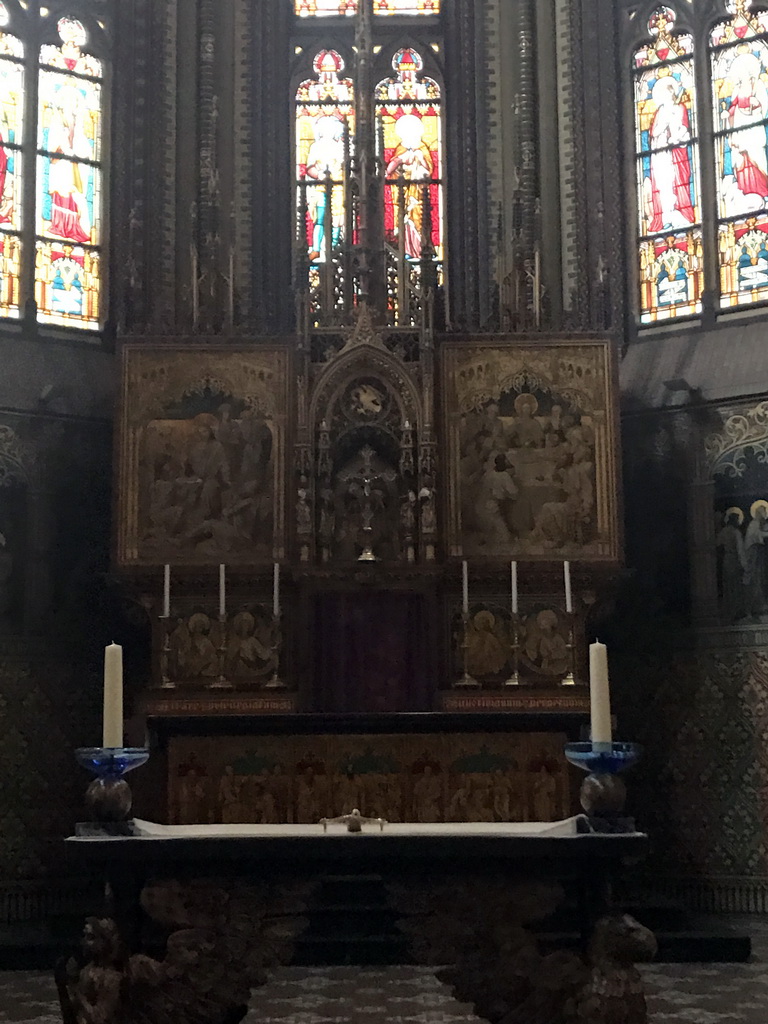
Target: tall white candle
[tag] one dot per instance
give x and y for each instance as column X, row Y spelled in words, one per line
column 599, row 693
column 276, row 590
column 513, row 573
column 465, row 587
column 567, row 578
column 113, row 696
column 222, row 591
column 166, row 591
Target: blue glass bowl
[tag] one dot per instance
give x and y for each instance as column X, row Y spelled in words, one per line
column 111, row 762
column 603, row 759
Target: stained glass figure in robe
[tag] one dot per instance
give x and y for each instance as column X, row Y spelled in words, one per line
column 69, row 179
column 740, row 105
column 671, row 250
column 324, row 126
column 406, row 6
column 409, row 128
column 11, row 114
column 321, row 8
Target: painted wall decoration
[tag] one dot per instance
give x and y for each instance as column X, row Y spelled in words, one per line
column 201, row 455
column 331, row 8
column 421, row 778
column 737, row 456
column 531, row 444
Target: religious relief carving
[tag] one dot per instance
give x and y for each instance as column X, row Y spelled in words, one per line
column 202, row 651
column 532, row 450
column 201, row 455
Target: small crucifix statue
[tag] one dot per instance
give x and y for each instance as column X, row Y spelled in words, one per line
column 360, row 482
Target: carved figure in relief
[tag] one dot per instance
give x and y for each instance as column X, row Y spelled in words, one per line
column 544, row 645
column 544, row 795
column 251, row 652
column 202, row 660
column 487, row 644
column 496, row 497
column 229, row 797
column 427, row 796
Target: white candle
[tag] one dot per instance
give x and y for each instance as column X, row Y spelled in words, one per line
column 599, row 694
column 276, row 590
column 513, row 573
column 222, row 591
column 166, row 591
column 465, row 587
column 567, row 578
column 113, row 696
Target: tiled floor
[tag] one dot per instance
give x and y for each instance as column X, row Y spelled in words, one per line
column 684, row 993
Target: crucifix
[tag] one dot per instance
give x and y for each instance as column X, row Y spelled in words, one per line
column 360, row 481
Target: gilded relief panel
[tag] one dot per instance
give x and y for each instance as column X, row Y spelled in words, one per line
column 202, row 444
column 421, row 778
column 531, row 442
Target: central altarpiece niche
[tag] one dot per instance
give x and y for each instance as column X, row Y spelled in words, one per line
column 299, row 512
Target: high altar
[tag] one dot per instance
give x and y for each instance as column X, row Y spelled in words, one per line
column 297, row 514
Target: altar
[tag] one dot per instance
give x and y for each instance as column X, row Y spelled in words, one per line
column 228, row 902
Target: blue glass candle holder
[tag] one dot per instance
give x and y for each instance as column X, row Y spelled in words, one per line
column 603, row 793
column 109, row 797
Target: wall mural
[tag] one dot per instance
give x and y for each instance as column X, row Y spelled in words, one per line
column 422, row 778
column 738, row 457
column 201, row 455
column 531, row 443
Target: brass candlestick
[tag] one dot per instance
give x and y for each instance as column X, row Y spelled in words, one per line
column 275, row 682
column 222, row 683
column 514, row 677
column 166, row 683
column 466, row 680
column 568, row 679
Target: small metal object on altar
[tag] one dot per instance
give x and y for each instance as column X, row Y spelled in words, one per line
column 568, row 679
column 354, row 821
column 465, row 680
column 514, row 675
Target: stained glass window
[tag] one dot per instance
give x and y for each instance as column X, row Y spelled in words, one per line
column 69, row 181
column 406, row 6
column 410, row 127
column 324, row 132
column 671, row 264
column 11, row 115
column 739, row 66
column 336, row 8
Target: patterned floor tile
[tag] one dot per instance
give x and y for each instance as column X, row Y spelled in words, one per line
column 677, row 994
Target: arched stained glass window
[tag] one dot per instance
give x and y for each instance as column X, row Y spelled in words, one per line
column 11, row 137
column 739, row 68
column 69, row 181
column 324, row 133
column 669, row 208
column 336, row 8
column 410, row 129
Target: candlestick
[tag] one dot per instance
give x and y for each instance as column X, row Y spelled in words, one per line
column 166, row 591
column 113, row 696
column 567, row 578
column 513, row 573
column 600, row 694
column 276, row 590
column 222, row 591
column 464, row 588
